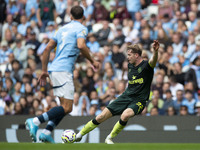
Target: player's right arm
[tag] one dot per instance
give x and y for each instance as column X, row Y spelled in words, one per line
column 86, row 52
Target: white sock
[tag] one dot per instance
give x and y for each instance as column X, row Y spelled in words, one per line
column 36, row 121
column 109, row 136
column 78, row 135
column 47, row 132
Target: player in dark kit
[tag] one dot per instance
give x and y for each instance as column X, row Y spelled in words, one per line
column 133, row 100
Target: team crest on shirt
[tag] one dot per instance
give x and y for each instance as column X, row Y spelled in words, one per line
column 133, row 77
column 139, row 69
column 84, row 32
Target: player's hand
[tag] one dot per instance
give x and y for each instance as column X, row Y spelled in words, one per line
column 156, row 45
column 95, row 66
column 43, row 78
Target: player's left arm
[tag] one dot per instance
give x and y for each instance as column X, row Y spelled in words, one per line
column 51, row 45
column 154, row 58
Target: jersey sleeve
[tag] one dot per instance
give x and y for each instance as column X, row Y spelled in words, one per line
column 149, row 66
column 82, row 33
column 55, row 37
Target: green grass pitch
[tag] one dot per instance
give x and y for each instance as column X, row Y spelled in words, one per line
column 101, row 146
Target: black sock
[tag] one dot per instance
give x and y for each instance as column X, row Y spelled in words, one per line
column 123, row 123
column 51, row 114
column 95, row 122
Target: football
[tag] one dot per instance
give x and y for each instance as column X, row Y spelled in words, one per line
column 68, row 136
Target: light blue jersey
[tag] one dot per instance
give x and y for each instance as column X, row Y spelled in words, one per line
column 67, row 50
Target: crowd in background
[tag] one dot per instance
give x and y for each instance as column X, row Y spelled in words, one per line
column 27, row 25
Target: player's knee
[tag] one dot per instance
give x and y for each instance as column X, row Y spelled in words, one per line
column 125, row 117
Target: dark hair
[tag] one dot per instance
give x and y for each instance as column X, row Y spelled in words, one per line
column 135, row 49
column 77, row 12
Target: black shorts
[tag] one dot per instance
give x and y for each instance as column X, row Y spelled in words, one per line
column 123, row 102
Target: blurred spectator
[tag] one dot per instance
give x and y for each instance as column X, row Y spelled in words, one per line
column 179, row 100
column 103, row 33
column 77, row 83
column 167, row 25
column 175, row 86
column 13, row 9
column 2, row 15
column 193, row 21
column 121, row 86
column 166, row 8
column 75, row 111
column 117, row 57
column 23, row 102
column 61, row 6
column 122, row 12
column 7, row 25
column 159, row 77
column 177, row 44
column 109, row 96
column 189, row 102
column 112, row 10
column 93, row 44
column 21, row 53
column 154, row 111
column 138, row 18
column 50, row 29
column 99, row 13
column 18, row 109
column 46, row 12
column 155, row 102
column 193, row 74
column 88, row 11
column 23, row 25
column 168, row 101
column 119, row 36
column 133, row 7
column 16, row 94
column 9, row 107
column 87, row 86
column 84, row 105
column 183, row 110
column 31, row 9
column 178, row 74
column 145, row 40
column 171, row 111
column 4, row 52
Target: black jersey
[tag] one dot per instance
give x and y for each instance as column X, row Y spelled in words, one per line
column 139, row 81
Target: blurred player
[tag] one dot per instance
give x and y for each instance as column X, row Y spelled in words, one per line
column 133, row 100
column 70, row 40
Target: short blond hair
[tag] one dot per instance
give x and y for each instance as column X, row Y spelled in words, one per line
column 135, row 49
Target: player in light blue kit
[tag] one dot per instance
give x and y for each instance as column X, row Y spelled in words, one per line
column 70, row 40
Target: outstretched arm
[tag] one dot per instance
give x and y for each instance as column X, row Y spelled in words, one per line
column 154, row 58
column 86, row 52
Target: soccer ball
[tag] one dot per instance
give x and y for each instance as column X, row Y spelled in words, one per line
column 68, row 136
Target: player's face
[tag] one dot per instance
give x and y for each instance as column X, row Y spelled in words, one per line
column 131, row 57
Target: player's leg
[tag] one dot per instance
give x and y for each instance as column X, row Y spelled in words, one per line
column 33, row 123
column 132, row 109
column 106, row 114
column 63, row 87
column 45, row 136
column 118, row 127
